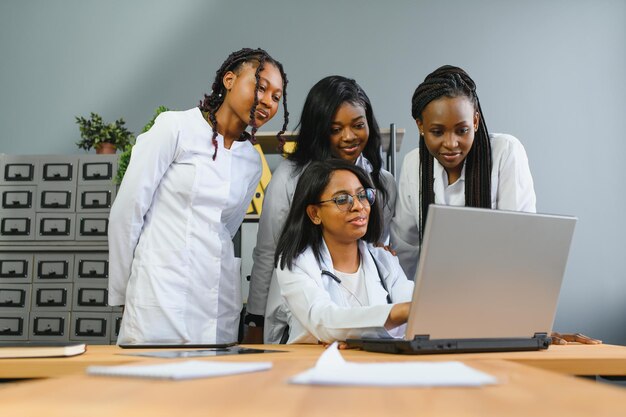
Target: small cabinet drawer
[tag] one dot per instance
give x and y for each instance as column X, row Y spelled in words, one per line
column 91, row 266
column 92, row 226
column 52, row 297
column 95, row 198
column 92, row 327
column 58, row 170
column 18, row 170
column 13, row 326
column 18, row 198
column 54, row 267
column 97, row 169
column 49, row 326
column 92, row 296
column 15, row 297
column 17, row 226
column 55, row 226
column 16, row 268
column 55, row 199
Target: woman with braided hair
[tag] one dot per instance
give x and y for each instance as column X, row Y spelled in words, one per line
column 187, row 188
column 457, row 163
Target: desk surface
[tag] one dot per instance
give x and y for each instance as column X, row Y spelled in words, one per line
column 570, row 359
column 522, row 391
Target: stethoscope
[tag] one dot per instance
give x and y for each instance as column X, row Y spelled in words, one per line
column 380, row 277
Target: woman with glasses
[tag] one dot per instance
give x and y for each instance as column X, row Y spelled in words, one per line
column 338, row 122
column 333, row 279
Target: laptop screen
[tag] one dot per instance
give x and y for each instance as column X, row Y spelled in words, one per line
column 488, row 273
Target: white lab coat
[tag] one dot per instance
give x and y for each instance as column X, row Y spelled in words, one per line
column 171, row 259
column 319, row 307
column 511, row 189
column 264, row 296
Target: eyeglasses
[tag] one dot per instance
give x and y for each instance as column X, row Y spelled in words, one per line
column 345, row 202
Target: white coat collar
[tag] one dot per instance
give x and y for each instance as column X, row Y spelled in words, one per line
column 440, row 180
column 375, row 291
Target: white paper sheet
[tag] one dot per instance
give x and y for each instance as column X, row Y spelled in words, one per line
column 180, row 370
column 332, row 369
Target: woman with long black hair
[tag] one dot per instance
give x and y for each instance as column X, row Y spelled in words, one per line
column 333, row 279
column 337, row 122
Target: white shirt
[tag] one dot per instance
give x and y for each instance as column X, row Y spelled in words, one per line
column 319, row 308
column 171, row 258
column 276, row 204
column 511, row 189
column 354, row 288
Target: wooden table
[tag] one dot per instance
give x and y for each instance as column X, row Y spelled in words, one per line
column 522, row 390
column 570, row 359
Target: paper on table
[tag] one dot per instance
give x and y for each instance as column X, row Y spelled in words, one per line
column 332, row 369
column 180, row 370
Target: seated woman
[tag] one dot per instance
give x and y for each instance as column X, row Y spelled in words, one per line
column 337, row 121
column 335, row 282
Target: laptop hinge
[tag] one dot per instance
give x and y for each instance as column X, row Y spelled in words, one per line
column 540, row 335
column 422, row 337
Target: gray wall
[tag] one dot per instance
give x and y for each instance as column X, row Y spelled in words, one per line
column 549, row 72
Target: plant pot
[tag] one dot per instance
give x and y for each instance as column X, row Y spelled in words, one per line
column 105, row 148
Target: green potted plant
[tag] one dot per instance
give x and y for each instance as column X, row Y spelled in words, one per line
column 105, row 138
column 124, row 159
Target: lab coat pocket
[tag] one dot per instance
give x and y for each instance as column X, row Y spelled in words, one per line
column 163, row 279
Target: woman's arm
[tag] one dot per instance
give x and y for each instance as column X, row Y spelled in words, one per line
column 275, row 208
column 404, row 227
column 516, row 190
column 398, row 315
column 312, row 306
column 152, row 155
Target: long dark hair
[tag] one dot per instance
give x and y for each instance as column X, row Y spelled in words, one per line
column 320, row 106
column 299, row 232
column 212, row 102
column 449, row 81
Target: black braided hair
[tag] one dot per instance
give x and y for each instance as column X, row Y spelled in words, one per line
column 211, row 103
column 449, row 81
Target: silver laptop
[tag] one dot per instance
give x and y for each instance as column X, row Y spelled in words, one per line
column 487, row 280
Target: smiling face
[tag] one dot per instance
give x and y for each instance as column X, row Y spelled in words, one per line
column 449, row 125
column 343, row 227
column 240, row 86
column 349, row 132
